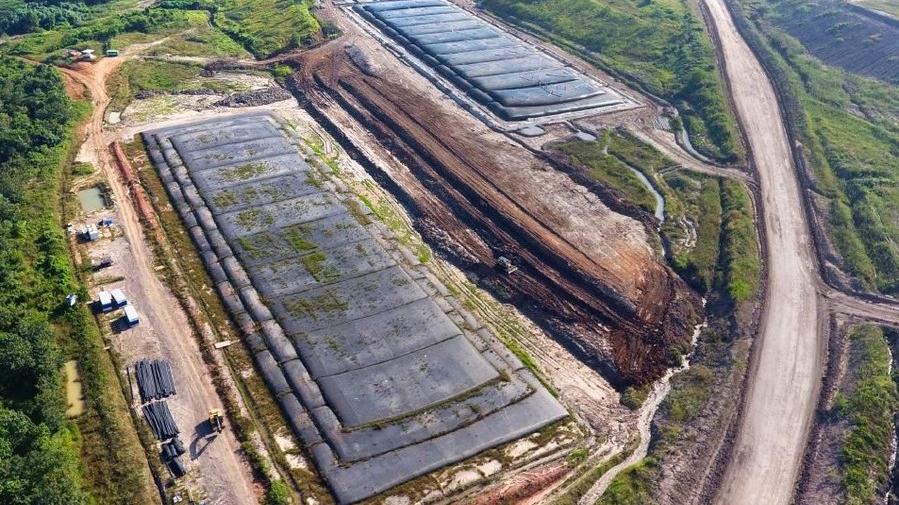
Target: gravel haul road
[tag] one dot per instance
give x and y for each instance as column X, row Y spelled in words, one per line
column 164, row 330
column 789, row 355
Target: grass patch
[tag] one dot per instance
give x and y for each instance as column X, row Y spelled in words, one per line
column 868, row 407
column 202, row 40
column 243, row 172
column 632, row 486
column 158, row 76
column 609, row 171
column 742, row 265
column 314, row 263
column 262, row 27
column 659, row 44
column 634, row 396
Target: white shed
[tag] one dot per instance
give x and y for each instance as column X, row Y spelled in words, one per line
column 131, row 315
column 118, row 298
column 105, row 301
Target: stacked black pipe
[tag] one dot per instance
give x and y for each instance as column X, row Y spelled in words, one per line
column 154, row 379
column 171, row 454
column 159, row 417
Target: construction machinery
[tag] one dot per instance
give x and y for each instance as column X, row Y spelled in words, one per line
column 216, row 420
column 506, row 265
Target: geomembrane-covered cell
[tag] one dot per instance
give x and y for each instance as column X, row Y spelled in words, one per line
column 408, row 383
column 372, row 373
column 511, row 78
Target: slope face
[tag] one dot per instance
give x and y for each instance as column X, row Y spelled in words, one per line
column 371, row 365
column 586, row 273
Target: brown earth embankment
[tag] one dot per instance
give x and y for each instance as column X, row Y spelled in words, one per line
column 586, row 272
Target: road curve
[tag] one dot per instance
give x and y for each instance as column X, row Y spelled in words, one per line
column 789, row 352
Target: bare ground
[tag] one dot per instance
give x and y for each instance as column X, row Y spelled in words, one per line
column 588, row 271
column 216, row 464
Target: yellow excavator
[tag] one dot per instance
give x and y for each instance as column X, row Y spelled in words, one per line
column 216, row 420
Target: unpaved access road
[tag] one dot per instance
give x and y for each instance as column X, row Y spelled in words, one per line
column 217, row 463
column 789, row 356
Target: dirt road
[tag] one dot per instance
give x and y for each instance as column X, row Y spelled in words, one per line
column 216, row 463
column 789, row 355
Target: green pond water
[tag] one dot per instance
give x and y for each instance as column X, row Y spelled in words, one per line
column 91, row 199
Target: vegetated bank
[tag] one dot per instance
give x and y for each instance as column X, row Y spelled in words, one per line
column 851, row 447
column 710, row 233
column 45, row 458
column 661, row 46
column 262, row 27
column 847, row 128
column 840, row 34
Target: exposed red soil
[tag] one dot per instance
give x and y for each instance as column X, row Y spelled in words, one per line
column 476, row 196
column 523, row 488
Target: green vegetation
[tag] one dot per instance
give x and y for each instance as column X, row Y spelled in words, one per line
column 868, row 407
column 243, row 172
column 583, row 483
column 849, row 129
column 659, row 44
column 202, row 39
column 692, row 226
column 694, row 389
column 262, row 27
column 23, row 16
column 609, row 170
column 740, row 254
column 634, row 396
column 632, row 486
column 138, row 76
column 314, row 263
column 48, row 45
column 278, row 494
column 39, row 448
column 701, row 199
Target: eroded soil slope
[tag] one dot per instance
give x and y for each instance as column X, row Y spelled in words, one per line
column 588, row 272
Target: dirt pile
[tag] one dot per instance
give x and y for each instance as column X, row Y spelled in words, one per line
column 588, row 274
column 254, row 98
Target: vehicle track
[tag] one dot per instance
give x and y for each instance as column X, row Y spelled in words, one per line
column 788, row 361
column 224, row 472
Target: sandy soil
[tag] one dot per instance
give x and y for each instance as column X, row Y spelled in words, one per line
column 789, row 355
column 216, row 463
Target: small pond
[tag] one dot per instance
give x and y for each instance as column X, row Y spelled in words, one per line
column 74, row 391
column 92, row 199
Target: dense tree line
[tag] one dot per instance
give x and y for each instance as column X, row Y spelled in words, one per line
column 23, row 16
column 38, row 450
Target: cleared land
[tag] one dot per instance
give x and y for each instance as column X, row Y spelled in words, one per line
column 381, row 377
column 585, row 271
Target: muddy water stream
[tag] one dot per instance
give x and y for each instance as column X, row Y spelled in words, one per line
column 659, row 391
column 660, row 200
